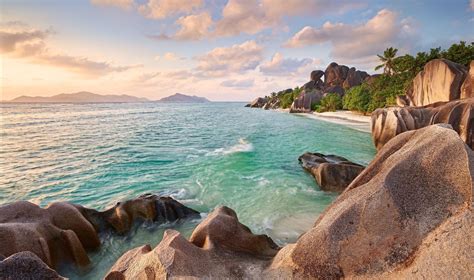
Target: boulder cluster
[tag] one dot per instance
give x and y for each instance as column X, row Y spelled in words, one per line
column 408, row 215
column 337, row 79
column 65, row 232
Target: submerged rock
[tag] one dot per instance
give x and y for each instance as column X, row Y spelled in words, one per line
column 26, row 265
column 333, row 173
column 64, row 232
column 398, row 218
column 389, row 122
column 219, row 247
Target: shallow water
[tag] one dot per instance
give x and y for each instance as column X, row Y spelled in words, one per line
column 203, row 155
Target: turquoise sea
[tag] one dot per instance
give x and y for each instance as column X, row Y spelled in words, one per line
column 203, row 155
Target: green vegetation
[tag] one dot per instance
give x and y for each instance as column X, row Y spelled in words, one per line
column 329, row 103
column 398, row 74
column 286, row 96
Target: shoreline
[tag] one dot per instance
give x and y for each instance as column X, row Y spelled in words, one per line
column 346, row 118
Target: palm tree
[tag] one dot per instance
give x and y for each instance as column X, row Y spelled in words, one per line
column 387, row 60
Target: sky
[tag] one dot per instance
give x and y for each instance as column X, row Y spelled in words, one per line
column 224, row 50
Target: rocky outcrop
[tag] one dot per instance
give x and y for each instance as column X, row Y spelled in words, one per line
column 467, row 88
column 337, row 79
column 26, row 265
column 305, row 101
column 332, row 173
column 397, row 218
column 343, row 76
column 220, row 248
column 64, row 232
column 389, row 122
column 257, row 102
column 439, row 81
column 407, row 215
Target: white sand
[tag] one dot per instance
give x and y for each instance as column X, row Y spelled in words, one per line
column 347, row 118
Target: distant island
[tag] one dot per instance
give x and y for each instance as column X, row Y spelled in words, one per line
column 79, row 97
column 178, row 97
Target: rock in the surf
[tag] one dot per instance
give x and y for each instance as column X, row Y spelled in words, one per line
column 220, row 247
column 407, row 215
column 389, row 122
column 333, row 173
column 64, row 232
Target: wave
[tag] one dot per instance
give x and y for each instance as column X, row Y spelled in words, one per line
column 242, row 147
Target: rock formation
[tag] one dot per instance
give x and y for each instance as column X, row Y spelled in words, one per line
column 220, row 247
column 397, row 218
column 64, row 232
column 407, row 215
column 439, row 81
column 257, row 102
column 337, row 79
column 26, row 265
column 389, row 122
column 467, row 88
column 333, row 173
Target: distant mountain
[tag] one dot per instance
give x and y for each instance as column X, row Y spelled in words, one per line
column 79, row 97
column 178, row 97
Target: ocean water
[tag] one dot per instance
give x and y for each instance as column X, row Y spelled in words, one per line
column 203, row 155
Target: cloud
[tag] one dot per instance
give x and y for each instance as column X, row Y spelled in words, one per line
column 279, row 66
column 357, row 41
column 194, row 27
column 11, row 40
column 252, row 16
column 235, row 59
column 160, row 9
column 246, row 83
column 472, row 5
column 124, row 4
column 169, row 56
column 247, row 16
column 27, row 43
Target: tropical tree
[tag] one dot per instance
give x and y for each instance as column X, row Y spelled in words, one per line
column 387, row 60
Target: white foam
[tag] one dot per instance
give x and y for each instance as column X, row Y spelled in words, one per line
column 242, row 147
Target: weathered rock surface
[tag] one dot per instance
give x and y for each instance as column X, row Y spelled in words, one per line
column 26, row 265
column 304, row 102
column 337, row 79
column 220, row 247
column 440, row 81
column 257, row 102
column 398, row 218
column 333, row 173
column 64, row 232
column 389, row 122
column 467, row 88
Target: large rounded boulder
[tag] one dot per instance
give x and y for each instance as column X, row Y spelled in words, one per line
column 403, row 217
column 389, row 122
column 219, row 248
column 439, row 81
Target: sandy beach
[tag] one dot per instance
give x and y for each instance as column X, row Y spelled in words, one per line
column 343, row 117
